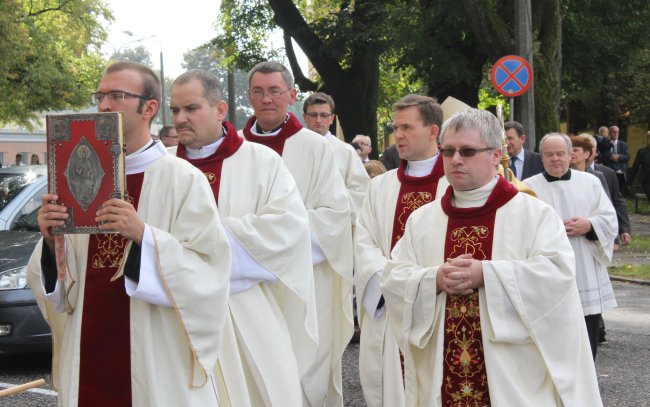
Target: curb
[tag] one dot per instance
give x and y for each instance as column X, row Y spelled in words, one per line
column 630, row 280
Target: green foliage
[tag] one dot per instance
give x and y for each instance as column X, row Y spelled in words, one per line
column 211, row 60
column 50, row 58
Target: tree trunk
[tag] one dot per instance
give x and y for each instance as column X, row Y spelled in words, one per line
column 353, row 88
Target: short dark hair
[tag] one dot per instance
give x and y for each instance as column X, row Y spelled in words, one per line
column 318, row 98
column 430, row 110
column 212, row 89
column 164, row 131
column 150, row 82
column 271, row 67
column 519, row 129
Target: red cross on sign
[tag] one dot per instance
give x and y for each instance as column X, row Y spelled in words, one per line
column 511, row 76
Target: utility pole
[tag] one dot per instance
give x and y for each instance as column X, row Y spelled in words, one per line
column 524, row 39
column 232, row 105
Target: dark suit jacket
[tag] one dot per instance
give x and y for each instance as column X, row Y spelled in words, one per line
column 617, row 199
column 621, row 164
column 641, row 166
column 532, row 164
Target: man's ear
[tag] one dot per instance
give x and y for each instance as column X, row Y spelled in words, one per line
column 150, row 108
column 222, row 110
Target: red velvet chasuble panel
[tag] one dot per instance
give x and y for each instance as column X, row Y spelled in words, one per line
column 469, row 231
column 105, row 348
column 276, row 143
column 211, row 165
column 413, row 193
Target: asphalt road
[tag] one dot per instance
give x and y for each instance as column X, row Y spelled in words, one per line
column 623, row 363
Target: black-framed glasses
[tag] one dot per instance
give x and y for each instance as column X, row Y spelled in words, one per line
column 322, row 115
column 464, row 152
column 259, row 94
column 114, row 96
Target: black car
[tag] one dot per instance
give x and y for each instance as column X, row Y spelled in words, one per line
column 22, row 326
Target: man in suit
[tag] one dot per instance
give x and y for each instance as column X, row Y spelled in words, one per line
column 641, row 166
column 523, row 163
column 619, row 158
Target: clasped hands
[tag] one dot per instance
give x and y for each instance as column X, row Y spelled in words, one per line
column 114, row 214
column 460, row 275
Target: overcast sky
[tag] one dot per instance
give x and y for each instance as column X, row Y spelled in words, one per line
column 177, row 27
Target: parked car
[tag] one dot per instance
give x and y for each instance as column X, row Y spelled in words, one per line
column 22, row 326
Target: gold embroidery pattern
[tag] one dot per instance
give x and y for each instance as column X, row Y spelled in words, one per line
column 411, row 202
column 211, row 177
column 467, row 240
column 110, row 251
column 465, row 380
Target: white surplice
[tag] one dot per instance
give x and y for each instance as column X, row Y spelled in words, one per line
column 379, row 362
column 584, row 196
column 354, row 174
column 173, row 349
column 311, row 161
column 273, row 328
column 535, row 343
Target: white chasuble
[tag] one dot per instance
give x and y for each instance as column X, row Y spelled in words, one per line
column 379, row 362
column 173, row 349
column 534, row 339
column 311, row 161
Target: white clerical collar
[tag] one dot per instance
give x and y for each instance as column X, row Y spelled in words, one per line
column 329, row 135
column 274, row 132
column 202, row 152
column 475, row 197
column 421, row 168
column 140, row 160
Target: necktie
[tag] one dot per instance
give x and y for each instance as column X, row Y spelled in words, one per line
column 513, row 160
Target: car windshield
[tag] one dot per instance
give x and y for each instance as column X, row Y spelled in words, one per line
column 11, row 183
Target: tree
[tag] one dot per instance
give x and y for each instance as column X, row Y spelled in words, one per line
column 139, row 54
column 50, row 58
column 210, row 59
column 343, row 45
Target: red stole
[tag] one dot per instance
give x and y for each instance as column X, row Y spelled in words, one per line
column 276, row 143
column 469, row 230
column 413, row 193
column 212, row 164
column 105, row 348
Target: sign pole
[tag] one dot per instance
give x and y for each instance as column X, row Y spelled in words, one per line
column 512, row 108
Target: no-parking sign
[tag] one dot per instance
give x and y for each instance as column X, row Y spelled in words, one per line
column 511, row 76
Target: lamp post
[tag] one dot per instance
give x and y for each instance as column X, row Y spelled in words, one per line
column 162, row 68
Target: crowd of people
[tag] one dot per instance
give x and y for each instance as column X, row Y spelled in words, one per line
column 229, row 280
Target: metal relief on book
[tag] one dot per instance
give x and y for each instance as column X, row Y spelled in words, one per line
column 84, row 173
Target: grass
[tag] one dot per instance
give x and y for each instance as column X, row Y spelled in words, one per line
column 636, row 271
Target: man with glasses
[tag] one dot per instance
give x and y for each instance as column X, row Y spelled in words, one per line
column 481, row 290
column 266, row 223
column 619, row 158
column 391, row 199
column 168, row 136
column 366, row 146
column 136, row 316
column 318, row 113
column 311, row 161
column 590, row 222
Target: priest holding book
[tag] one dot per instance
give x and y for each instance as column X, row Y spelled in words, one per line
column 137, row 316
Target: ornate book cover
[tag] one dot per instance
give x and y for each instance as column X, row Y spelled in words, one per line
column 85, row 165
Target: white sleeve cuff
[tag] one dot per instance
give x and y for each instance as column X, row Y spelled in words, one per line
column 56, row 297
column 245, row 271
column 317, row 255
column 150, row 287
column 372, row 295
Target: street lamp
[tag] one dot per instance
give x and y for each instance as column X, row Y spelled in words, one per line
column 162, row 68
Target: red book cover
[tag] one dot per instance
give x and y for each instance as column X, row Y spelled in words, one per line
column 85, row 165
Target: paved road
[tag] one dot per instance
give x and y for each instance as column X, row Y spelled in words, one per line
column 623, row 364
